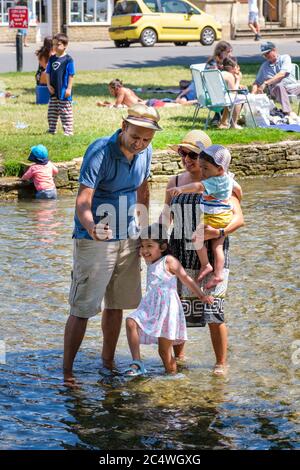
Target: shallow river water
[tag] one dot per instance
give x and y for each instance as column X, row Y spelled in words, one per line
column 256, row 407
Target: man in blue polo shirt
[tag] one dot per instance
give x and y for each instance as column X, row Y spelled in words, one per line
column 106, row 264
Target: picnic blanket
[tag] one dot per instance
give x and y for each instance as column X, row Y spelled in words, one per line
column 284, row 127
column 174, row 91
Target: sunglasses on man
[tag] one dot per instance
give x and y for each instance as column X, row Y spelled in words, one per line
column 192, row 155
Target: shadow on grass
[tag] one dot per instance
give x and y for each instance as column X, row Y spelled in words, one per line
column 187, row 61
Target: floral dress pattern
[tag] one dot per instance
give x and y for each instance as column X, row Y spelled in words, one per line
column 160, row 313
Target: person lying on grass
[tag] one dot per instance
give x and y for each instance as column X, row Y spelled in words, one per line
column 124, row 97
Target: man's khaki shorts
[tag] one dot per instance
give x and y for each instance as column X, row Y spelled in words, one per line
column 109, row 270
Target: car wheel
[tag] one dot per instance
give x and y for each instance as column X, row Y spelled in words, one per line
column 122, row 43
column 180, row 43
column 208, row 36
column 148, row 37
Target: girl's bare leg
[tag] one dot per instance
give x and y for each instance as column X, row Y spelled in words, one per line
column 165, row 351
column 224, row 119
column 133, row 337
column 179, row 351
column 235, row 115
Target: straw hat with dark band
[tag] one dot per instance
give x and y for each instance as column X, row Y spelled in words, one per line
column 143, row 116
column 194, row 140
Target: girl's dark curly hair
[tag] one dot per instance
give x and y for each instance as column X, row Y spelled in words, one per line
column 158, row 233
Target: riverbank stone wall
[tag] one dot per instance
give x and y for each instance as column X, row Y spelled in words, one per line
column 282, row 158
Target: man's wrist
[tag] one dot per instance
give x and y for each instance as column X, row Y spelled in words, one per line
column 90, row 228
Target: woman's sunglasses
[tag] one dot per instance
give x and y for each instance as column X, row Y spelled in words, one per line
column 191, row 155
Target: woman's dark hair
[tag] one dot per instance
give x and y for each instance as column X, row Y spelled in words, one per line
column 220, row 47
column 157, row 233
column 208, row 158
column 45, row 50
column 116, row 83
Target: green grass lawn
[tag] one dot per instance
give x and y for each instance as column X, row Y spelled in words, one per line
column 91, row 122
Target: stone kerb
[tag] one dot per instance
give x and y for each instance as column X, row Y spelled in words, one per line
column 253, row 160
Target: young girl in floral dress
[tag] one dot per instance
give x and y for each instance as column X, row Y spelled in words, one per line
column 159, row 318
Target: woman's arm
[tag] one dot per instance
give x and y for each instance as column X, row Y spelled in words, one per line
column 237, row 190
column 237, row 221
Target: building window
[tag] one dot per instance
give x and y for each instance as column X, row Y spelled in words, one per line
column 6, row 4
column 90, row 11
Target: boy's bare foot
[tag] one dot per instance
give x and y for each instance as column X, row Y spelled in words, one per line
column 204, row 271
column 214, row 281
column 100, row 103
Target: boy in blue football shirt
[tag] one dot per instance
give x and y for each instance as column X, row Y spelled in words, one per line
column 60, row 71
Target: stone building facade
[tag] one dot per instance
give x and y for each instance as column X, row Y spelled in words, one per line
column 88, row 20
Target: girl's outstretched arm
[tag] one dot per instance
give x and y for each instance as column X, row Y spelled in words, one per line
column 175, row 267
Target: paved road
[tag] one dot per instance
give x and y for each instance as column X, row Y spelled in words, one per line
column 100, row 56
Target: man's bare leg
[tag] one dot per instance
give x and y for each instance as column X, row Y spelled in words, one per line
column 74, row 334
column 111, row 327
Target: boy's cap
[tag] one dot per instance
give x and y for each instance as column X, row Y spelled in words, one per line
column 39, row 154
column 220, row 155
column 143, row 116
column 267, row 47
column 194, row 140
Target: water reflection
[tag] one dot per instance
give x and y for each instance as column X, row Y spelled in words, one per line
column 257, row 407
column 42, row 214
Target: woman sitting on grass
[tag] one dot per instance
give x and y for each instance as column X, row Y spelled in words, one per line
column 232, row 77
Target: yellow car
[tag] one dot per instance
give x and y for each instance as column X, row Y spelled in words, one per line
column 151, row 21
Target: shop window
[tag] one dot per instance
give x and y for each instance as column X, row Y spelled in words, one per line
column 41, row 10
column 89, row 11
